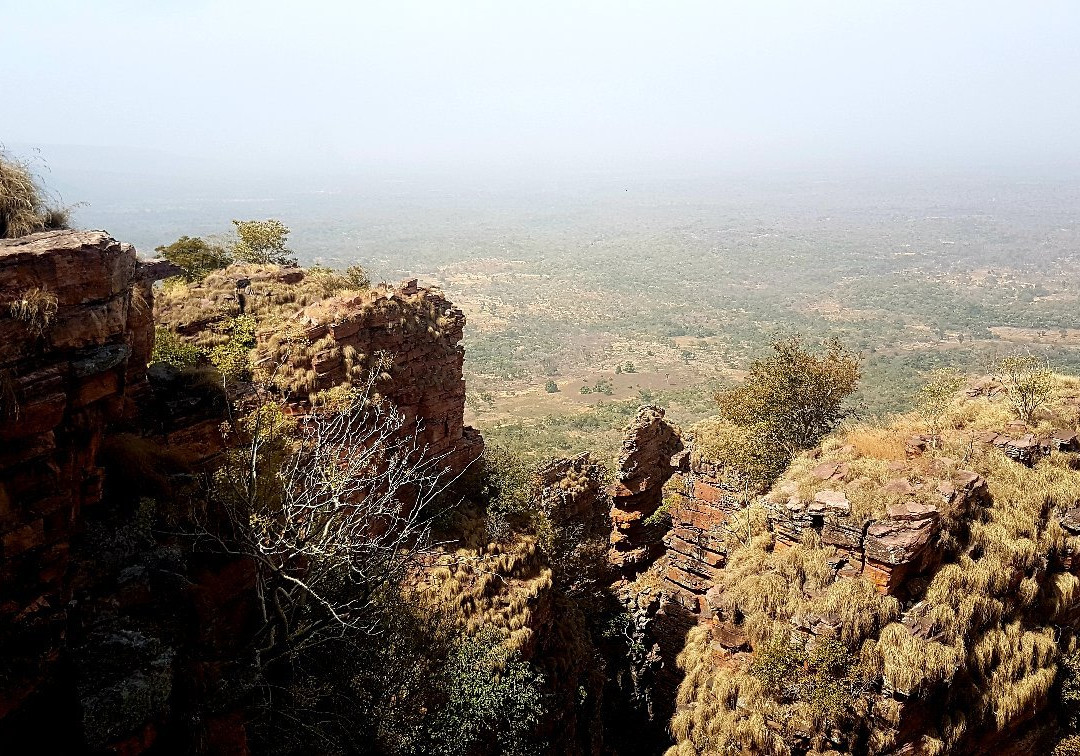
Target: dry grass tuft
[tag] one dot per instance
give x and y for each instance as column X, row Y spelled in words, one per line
column 36, row 308
column 499, row 586
column 24, row 206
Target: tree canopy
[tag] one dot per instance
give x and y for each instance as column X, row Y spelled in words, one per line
column 195, row 256
column 262, row 241
column 796, row 395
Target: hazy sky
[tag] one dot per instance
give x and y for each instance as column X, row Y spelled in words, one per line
column 337, row 83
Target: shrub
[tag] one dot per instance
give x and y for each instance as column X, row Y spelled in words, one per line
column 356, row 277
column 24, row 206
column 172, row 348
column 506, row 483
column 551, row 387
column 233, row 358
column 1030, row 384
column 747, row 463
column 826, row 679
column 494, row 703
column 196, row 257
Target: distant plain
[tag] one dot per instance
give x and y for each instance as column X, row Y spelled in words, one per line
column 660, row 286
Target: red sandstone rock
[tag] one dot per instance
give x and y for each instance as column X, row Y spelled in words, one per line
column 900, row 487
column 830, row 501
column 898, row 542
column 644, row 465
column 911, row 511
column 825, row 470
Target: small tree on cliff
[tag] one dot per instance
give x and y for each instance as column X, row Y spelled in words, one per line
column 334, row 509
column 262, row 242
column 195, row 256
column 1030, row 383
column 793, row 397
column 936, row 396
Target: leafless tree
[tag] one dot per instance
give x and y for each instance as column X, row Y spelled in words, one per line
column 334, row 507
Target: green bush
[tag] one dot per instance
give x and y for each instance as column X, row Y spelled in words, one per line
column 233, row 358
column 494, row 704
column 827, row 678
column 170, row 347
column 195, row 256
column 507, row 483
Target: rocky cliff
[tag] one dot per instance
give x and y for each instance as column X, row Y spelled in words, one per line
column 313, row 335
column 934, row 573
column 75, row 336
column 94, row 659
column 121, row 634
column 412, row 336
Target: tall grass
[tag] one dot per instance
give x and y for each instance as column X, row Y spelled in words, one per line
column 25, row 206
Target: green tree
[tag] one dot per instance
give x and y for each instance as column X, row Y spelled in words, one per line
column 1030, row 383
column 495, row 701
column 936, row 395
column 551, row 387
column 794, row 396
column 195, row 256
column 356, row 277
column 172, row 348
column 262, row 242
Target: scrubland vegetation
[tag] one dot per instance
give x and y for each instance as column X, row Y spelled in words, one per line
column 982, row 639
column 406, row 613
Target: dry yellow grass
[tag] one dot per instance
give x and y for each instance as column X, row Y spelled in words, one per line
column 881, row 443
column 994, row 619
column 497, row 586
column 36, row 308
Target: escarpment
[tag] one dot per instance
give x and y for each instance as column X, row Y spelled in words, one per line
column 313, row 337
column 127, row 623
column 899, row 589
column 894, row 592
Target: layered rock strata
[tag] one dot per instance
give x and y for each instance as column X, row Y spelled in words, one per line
column 651, row 453
column 111, row 635
column 417, row 333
